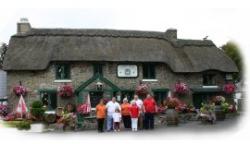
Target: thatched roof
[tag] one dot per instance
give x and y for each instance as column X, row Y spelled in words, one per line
column 35, row 49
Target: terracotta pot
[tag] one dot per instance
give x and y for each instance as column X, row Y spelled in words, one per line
column 172, row 117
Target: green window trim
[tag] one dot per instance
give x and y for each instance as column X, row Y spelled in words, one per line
column 62, row 71
column 52, row 97
column 148, row 70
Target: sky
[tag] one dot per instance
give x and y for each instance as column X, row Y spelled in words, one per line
column 219, row 23
column 220, row 20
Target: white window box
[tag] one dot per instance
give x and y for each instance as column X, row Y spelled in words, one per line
column 150, row 80
column 62, row 81
column 210, row 86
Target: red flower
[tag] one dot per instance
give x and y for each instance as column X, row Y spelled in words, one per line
column 142, row 90
column 65, row 91
column 181, row 88
column 83, row 109
column 229, row 88
column 3, row 110
column 20, row 90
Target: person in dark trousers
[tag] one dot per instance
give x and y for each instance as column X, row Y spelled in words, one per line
column 100, row 115
column 125, row 110
column 150, row 109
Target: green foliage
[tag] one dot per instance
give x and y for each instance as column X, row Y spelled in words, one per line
column 233, row 51
column 225, row 107
column 206, row 108
column 23, row 125
column 37, row 109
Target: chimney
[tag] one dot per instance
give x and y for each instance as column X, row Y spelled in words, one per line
column 23, row 26
column 171, row 34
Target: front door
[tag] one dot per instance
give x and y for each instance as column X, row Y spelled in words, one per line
column 95, row 97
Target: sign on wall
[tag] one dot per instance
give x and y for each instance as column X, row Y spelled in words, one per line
column 127, row 71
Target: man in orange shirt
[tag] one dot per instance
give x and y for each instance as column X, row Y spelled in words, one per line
column 100, row 115
column 125, row 109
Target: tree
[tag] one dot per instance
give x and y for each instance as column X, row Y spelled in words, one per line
column 233, row 51
column 3, row 49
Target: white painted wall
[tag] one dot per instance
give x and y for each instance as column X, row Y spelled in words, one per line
column 3, row 81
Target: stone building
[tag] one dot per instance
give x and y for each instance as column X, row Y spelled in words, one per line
column 43, row 59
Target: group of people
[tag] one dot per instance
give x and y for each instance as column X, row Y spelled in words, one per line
column 135, row 114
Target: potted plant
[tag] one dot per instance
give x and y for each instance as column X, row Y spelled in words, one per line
column 37, row 110
column 172, row 115
column 65, row 91
column 221, row 107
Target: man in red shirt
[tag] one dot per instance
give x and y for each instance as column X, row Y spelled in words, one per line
column 150, row 109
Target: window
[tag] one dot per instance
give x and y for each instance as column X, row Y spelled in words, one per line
column 62, row 71
column 97, row 69
column 148, row 71
column 160, row 96
column 208, row 79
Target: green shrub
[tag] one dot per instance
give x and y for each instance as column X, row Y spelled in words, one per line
column 23, row 125
column 37, row 109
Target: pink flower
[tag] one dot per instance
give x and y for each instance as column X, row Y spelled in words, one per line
column 83, row 109
column 181, row 88
column 65, row 91
column 142, row 90
column 20, row 90
column 229, row 88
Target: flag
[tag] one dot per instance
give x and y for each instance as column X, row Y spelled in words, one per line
column 21, row 106
column 88, row 104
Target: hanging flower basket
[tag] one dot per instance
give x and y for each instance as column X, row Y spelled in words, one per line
column 65, row 91
column 83, row 109
column 181, row 88
column 229, row 88
column 20, row 90
column 142, row 90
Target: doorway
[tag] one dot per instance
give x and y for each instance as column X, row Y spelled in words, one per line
column 95, row 97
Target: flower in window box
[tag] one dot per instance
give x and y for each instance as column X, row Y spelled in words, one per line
column 83, row 109
column 3, row 110
column 142, row 89
column 229, row 88
column 65, row 91
column 20, row 90
column 181, row 88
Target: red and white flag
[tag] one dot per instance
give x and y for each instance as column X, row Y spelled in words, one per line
column 88, row 110
column 21, row 106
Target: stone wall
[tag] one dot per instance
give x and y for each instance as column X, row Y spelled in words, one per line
column 81, row 72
